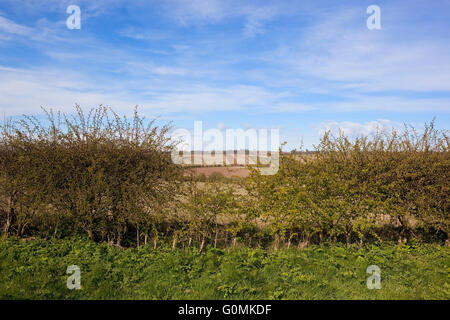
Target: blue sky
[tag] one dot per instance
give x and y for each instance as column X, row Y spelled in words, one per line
column 301, row 66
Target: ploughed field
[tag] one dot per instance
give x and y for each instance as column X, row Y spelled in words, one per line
column 227, row 172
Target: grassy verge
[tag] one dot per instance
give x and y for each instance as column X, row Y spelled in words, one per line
column 37, row 270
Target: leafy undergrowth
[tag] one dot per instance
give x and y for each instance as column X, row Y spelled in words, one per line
column 36, row 269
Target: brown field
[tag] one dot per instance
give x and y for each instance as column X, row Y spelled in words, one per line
column 226, row 158
column 227, row 172
column 228, row 164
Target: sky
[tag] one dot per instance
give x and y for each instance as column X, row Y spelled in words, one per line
column 303, row 67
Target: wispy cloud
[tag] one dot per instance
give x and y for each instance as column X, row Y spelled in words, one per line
column 24, row 91
column 343, row 53
column 255, row 18
column 254, row 14
column 265, row 62
column 354, row 129
column 10, row 27
column 143, row 34
column 191, row 11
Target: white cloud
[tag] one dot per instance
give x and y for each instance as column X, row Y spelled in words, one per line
column 341, row 52
column 24, row 91
column 10, row 27
column 358, row 103
column 292, row 107
column 254, row 14
column 188, row 11
column 256, row 18
column 39, row 7
column 336, row 57
column 391, row 104
column 143, row 34
column 202, row 98
column 144, row 68
column 354, row 129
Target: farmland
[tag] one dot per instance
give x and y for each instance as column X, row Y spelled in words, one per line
column 100, row 191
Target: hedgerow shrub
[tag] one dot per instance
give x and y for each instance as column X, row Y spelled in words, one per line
column 96, row 172
column 112, row 179
column 352, row 190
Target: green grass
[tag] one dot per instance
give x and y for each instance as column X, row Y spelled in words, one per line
column 36, row 269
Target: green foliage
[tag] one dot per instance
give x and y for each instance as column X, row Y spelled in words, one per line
column 37, row 270
column 207, row 206
column 112, row 178
column 94, row 172
column 360, row 189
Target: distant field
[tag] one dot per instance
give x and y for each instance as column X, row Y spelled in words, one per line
column 227, row 158
column 227, row 172
column 227, row 164
column 36, row 269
